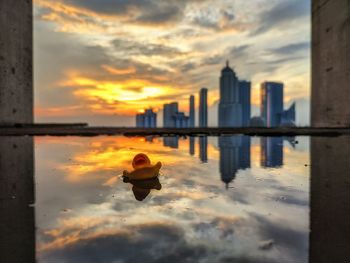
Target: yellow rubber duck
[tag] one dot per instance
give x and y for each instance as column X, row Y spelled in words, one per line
column 143, row 169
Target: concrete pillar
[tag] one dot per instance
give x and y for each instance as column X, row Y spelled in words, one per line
column 330, row 200
column 330, row 98
column 17, row 220
column 16, row 84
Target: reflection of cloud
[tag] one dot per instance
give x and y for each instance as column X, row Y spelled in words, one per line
column 191, row 219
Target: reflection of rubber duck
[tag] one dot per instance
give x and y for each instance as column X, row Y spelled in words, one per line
column 143, row 169
column 144, row 178
column 142, row 188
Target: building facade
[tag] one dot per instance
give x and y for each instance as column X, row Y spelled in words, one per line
column 169, row 110
column 148, row 119
column 230, row 108
column 203, row 107
column 191, row 123
column 272, row 103
column 244, row 99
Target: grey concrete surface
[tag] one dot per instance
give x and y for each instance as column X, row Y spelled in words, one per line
column 16, row 84
column 17, row 220
column 330, row 63
column 330, row 200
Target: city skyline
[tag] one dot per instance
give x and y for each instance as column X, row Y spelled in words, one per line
column 118, row 57
column 234, row 108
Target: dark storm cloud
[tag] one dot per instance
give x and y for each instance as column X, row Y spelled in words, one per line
column 146, row 49
column 291, row 48
column 147, row 245
column 284, row 13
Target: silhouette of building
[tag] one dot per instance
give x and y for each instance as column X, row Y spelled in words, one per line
column 288, row 116
column 234, row 155
column 148, row 119
column 192, row 143
column 191, row 123
column 244, row 95
column 171, row 141
column 272, row 103
column 203, row 107
column 169, row 110
column 271, row 152
column 203, row 149
column 230, row 108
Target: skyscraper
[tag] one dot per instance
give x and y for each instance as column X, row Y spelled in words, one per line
column 169, row 110
column 272, row 103
column 192, row 113
column 230, row 108
column 244, row 99
column 203, row 107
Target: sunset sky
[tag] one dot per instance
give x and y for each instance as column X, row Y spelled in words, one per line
column 103, row 61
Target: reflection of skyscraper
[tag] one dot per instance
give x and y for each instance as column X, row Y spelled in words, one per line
column 203, row 149
column 203, row 107
column 172, row 142
column 234, row 155
column 17, row 238
column 272, row 103
column 244, row 158
column 191, row 123
column 230, row 108
column 271, row 151
column 244, row 98
column 192, row 145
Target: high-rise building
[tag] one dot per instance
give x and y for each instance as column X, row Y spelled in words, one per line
column 148, row 119
column 271, row 152
column 230, row 108
column 191, row 123
column 203, row 107
column 272, row 103
column 169, row 110
column 244, row 99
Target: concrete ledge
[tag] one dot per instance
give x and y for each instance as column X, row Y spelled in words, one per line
column 96, row 131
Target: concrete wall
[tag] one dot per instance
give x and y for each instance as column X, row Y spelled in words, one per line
column 330, row 199
column 330, row 99
column 17, row 220
column 16, row 85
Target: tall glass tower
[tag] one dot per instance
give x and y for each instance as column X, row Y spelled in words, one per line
column 244, row 98
column 230, row 108
column 272, row 103
column 203, row 107
column 191, row 123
